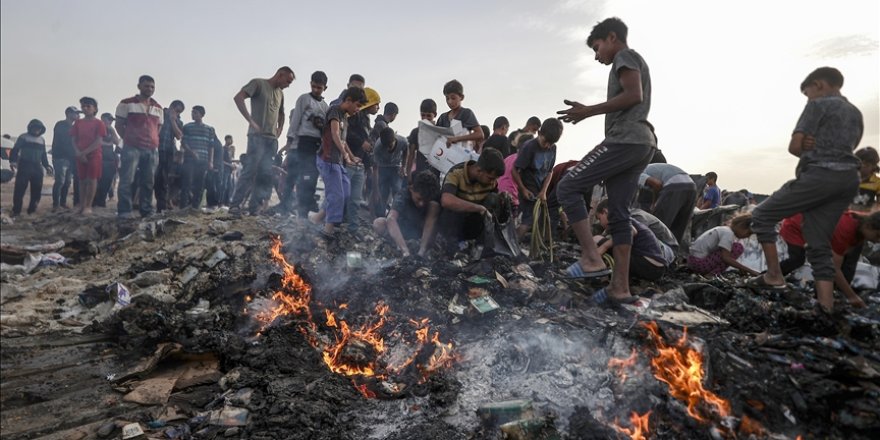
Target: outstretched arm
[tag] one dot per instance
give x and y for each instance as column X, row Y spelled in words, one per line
column 630, row 80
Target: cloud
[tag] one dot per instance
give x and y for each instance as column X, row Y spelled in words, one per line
column 844, row 46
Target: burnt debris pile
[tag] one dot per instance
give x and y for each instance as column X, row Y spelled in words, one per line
column 207, row 326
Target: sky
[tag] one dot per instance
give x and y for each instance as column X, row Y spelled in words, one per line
column 725, row 75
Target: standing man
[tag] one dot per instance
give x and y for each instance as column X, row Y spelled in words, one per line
column 265, row 123
column 63, row 157
column 674, row 195
column 618, row 161
column 169, row 135
column 227, row 184
column 138, row 121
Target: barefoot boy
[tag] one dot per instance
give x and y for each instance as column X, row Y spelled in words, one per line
column 87, row 134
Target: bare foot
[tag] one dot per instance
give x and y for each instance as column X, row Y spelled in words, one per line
column 87, row 211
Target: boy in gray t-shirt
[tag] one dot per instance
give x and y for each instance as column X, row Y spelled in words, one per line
column 825, row 182
column 618, row 161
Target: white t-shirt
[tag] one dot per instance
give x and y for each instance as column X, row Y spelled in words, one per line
column 709, row 241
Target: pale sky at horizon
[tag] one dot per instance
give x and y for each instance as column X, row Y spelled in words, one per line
column 725, row 76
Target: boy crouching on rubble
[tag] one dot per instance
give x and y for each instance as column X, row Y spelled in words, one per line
column 470, row 192
column 826, row 181
column 716, row 249
column 413, row 214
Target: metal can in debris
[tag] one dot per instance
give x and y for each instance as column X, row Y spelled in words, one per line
column 498, row 413
column 354, row 260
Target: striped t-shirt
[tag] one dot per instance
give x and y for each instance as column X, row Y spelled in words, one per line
column 142, row 122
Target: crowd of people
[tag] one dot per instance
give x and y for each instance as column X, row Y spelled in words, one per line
column 373, row 174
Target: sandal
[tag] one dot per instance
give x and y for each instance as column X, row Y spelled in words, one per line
column 602, row 297
column 576, row 271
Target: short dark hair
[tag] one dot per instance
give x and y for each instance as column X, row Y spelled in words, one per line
column 491, row 161
column 428, row 106
column 386, row 136
column 870, row 156
column 453, row 87
column 605, row 27
column 711, row 175
column 356, row 77
column 500, row 121
column 146, row 78
column 199, row 109
column 85, row 100
column 602, row 205
column 427, row 184
column 828, row 74
column 319, row 77
column 355, row 94
column 534, row 120
column 228, row 136
column 177, row 103
column 551, row 129
column 486, row 131
column 286, row 69
column 391, row 109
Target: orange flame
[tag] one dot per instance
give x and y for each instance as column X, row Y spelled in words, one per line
column 356, row 351
column 621, row 365
column 681, row 367
column 749, row 426
column 639, row 424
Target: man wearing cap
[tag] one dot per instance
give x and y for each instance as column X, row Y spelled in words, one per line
column 138, row 121
column 171, row 132
column 358, row 140
column 63, row 155
column 265, row 124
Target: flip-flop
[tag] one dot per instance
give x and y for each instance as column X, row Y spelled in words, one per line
column 758, row 282
column 576, row 271
column 601, row 297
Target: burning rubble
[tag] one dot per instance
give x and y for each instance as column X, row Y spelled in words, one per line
column 244, row 334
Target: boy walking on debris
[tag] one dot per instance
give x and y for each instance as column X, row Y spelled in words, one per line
column 826, row 180
column 618, row 161
column 335, row 154
column 414, row 214
column 27, row 160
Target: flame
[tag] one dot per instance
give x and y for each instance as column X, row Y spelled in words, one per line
column 639, row 424
column 749, row 426
column 621, row 365
column 356, row 350
column 681, row 367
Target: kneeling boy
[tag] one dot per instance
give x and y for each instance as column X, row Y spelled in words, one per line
column 413, row 214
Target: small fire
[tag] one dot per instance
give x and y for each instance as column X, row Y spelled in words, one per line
column 681, row 367
column 639, row 424
column 356, row 351
column 749, row 426
column 621, row 365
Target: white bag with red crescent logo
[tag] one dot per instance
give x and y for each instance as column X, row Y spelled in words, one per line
column 432, row 144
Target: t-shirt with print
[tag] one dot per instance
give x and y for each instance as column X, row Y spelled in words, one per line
column 86, row 131
column 458, row 184
column 629, row 126
column 200, row 139
column 535, row 164
column 465, row 115
column 846, row 233
column 266, row 103
column 837, row 127
column 142, row 122
column 329, row 150
column 711, row 240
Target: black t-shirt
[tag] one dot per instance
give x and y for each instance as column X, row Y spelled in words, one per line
column 409, row 216
column 421, row 161
column 466, row 116
column 498, row 142
column 358, row 132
